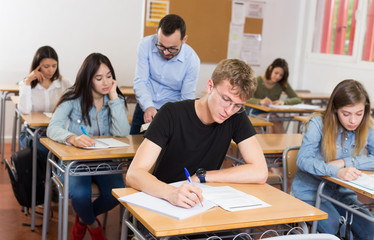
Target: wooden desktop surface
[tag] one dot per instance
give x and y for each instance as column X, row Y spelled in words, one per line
column 352, row 187
column 303, row 119
column 275, row 143
column 257, row 122
column 284, row 209
column 69, row 153
column 280, row 110
column 127, row 91
column 9, row 88
column 314, row 96
column 36, row 119
column 14, row 99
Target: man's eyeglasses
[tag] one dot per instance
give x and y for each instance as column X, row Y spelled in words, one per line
column 225, row 102
column 171, row 50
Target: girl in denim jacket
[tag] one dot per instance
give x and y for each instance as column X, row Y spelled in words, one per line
column 95, row 103
column 337, row 143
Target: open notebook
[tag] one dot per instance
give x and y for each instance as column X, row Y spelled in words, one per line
column 226, row 197
column 365, row 182
column 107, row 143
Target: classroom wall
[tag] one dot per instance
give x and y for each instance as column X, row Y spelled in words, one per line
column 114, row 27
column 74, row 29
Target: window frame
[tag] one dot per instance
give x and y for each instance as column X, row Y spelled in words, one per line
column 335, row 59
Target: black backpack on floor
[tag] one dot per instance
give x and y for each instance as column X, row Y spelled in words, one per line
column 20, row 174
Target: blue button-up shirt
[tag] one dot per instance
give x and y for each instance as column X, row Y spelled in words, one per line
column 158, row 81
column 311, row 164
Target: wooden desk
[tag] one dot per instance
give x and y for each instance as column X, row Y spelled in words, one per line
column 303, row 119
column 36, row 119
column 272, row 146
column 73, row 159
column 283, row 115
column 276, row 143
column 129, row 93
column 348, row 208
column 309, row 97
column 260, row 123
column 35, row 122
column 284, row 209
column 281, row 110
column 5, row 90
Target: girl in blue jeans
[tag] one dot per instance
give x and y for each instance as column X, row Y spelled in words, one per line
column 96, row 103
column 338, row 143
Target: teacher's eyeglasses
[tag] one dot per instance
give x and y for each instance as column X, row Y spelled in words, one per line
column 171, row 50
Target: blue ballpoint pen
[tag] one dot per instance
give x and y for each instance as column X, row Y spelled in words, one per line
column 85, row 133
column 189, row 180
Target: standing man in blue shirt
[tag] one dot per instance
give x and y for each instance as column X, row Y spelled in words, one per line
column 166, row 70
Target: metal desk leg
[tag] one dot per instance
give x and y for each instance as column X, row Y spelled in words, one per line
column 47, row 197
column 15, row 127
column 66, row 201
column 19, row 131
column 34, row 172
column 2, row 124
column 318, row 203
column 124, row 228
column 126, row 224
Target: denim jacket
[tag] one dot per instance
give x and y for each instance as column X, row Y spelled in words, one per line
column 311, row 163
column 67, row 120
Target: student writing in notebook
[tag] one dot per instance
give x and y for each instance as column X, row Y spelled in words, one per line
column 41, row 89
column 167, row 70
column 196, row 134
column 270, row 87
column 96, row 103
column 337, row 143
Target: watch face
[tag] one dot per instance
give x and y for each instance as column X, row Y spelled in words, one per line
column 200, row 172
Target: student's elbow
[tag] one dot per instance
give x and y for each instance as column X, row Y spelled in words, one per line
column 130, row 178
column 263, row 177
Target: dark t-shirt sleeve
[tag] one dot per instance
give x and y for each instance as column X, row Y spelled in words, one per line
column 161, row 127
column 243, row 127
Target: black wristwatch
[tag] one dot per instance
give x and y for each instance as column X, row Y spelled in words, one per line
column 200, row 173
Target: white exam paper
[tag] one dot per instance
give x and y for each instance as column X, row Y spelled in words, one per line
column 107, row 143
column 231, row 199
column 162, row 206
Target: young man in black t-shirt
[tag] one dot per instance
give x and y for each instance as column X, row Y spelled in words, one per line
column 196, row 134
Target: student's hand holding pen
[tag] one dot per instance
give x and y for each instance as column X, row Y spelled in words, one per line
column 81, row 141
column 265, row 101
column 186, row 196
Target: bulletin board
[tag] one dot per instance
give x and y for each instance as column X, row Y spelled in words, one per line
column 208, row 26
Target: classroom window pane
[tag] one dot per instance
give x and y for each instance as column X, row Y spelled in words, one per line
column 368, row 49
column 335, row 27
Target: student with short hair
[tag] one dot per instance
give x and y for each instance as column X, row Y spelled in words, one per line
column 96, row 103
column 166, row 70
column 196, row 134
column 270, row 87
column 334, row 145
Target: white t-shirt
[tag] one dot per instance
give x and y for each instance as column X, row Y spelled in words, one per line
column 39, row 99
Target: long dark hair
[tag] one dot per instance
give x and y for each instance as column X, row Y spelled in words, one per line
column 282, row 63
column 41, row 53
column 83, row 84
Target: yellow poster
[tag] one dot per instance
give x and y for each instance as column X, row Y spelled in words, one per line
column 156, row 9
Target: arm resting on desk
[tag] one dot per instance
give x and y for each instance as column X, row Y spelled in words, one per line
column 254, row 171
column 139, row 177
